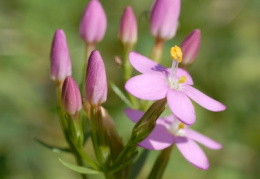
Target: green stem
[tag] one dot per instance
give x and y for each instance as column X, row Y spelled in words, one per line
column 65, row 128
column 160, row 164
column 127, row 71
column 156, row 54
column 88, row 49
column 130, row 146
column 126, row 66
column 98, row 134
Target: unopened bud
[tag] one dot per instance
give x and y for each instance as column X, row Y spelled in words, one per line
column 60, row 57
column 71, row 98
column 93, row 23
column 190, row 47
column 128, row 27
column 96, row 81
column 164, row 18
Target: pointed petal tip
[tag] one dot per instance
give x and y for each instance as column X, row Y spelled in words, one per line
column 203, row 100
column 192, row 152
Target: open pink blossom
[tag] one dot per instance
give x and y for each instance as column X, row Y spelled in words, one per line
column 158, row 82
column 169, row 130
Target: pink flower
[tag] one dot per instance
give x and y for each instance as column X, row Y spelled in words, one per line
column 60, row 57
column 71, row 98
column 93, row 23
column 164, row 18
column 158, row 82
column 169, row 130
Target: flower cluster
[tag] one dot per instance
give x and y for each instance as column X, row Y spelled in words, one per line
column 168, row 87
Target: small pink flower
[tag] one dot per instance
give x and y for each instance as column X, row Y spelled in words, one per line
column 96, row 80
column 169, row 130
column 60, row 57
column 164, row 18
column 93, row 23
column 190, row 47
column 71, row 98
column 158, row 82
column 128, row 27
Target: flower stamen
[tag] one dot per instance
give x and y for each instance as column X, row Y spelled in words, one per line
column 176, row 53
column 181, row 125
column 182, row 79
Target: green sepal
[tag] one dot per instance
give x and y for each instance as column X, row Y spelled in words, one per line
column 79, row 169
column 120, row 94
column 53, row 148
column 124, row 164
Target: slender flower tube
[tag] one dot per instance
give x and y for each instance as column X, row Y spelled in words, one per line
column 190, row 47
column 71, row 98
column 158, row 82
column 93, row 23
column 128, row 27
column 96, row 81
column 60, row 57
column 164, row 18
column 169, row 130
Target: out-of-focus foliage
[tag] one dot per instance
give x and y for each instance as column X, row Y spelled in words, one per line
column 227, row 68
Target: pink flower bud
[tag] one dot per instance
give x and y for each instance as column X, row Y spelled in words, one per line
column 70, row 96
column 60, row 57
column 190, row 47
column 96, row 81
column 164, row 18
column 93, row 23
column 128, row 27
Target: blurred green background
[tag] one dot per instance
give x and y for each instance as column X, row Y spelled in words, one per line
column 226, row 68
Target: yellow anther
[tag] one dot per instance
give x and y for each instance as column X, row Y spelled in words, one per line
column 181, row 126
column 182, row 79
column 176, row 53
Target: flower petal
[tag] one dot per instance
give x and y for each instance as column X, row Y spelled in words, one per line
column 192, row 152
column 182, row 72
column 204, row 140
column 202, row 99
column 160, row 138
column 151, row 86
column 144, row 64
column 181, row 106
column 134, row 115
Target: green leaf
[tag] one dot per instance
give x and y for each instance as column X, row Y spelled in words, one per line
column 53, row 148
column 120, row 94
column 79, row 169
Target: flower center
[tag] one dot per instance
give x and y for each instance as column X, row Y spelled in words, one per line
column 176, row 55
column 177, row 128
